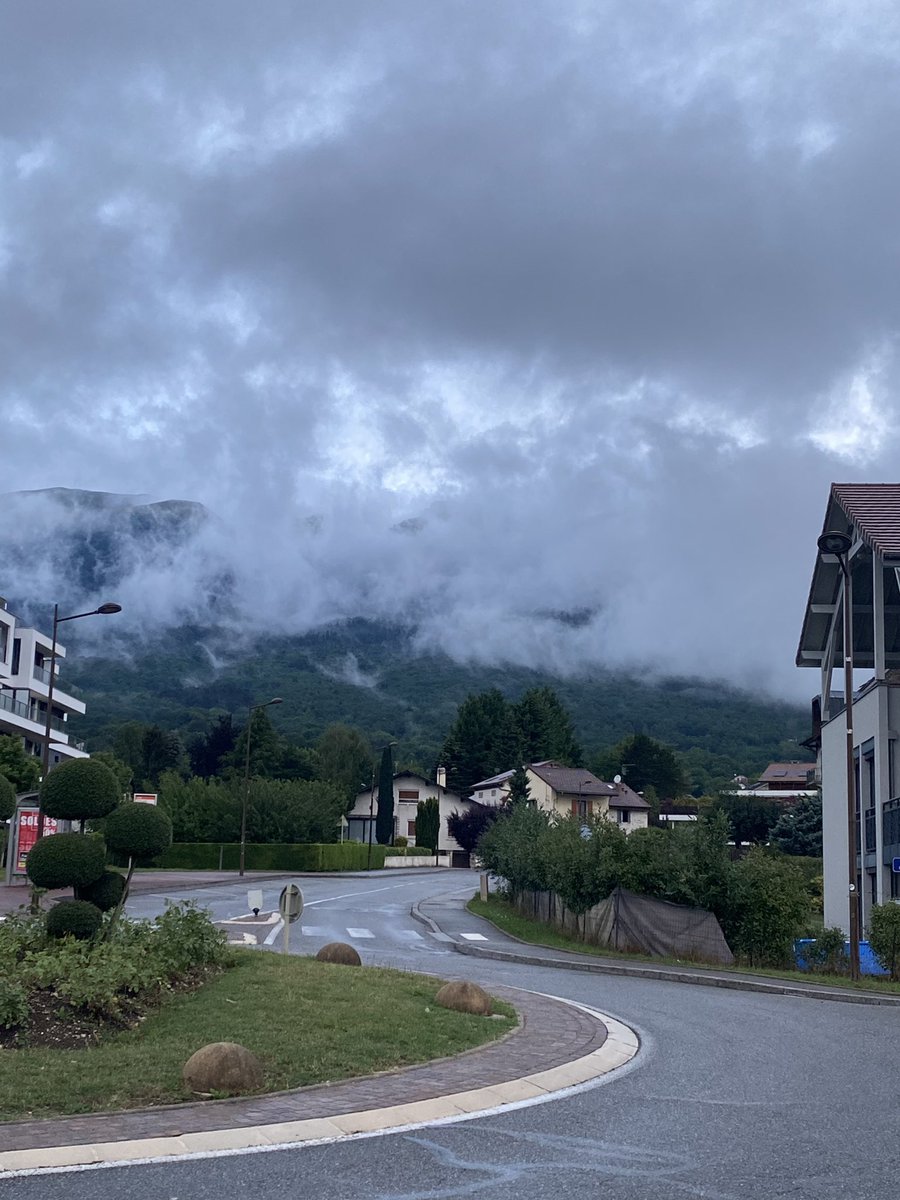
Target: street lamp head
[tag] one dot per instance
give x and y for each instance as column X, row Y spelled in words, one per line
column 833, row 542
column 106, row 610
column 274, row 700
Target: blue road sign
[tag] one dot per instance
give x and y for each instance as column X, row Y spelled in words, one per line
column 895, row 866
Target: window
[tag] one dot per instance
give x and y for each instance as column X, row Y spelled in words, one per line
column 895, row 885
column 873, row 886
column 625, row 816
column 410, row 829
column 493, row 791
column 408, row 795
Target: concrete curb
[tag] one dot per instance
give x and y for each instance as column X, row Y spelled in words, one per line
column 618, row 1050
column 697, row 978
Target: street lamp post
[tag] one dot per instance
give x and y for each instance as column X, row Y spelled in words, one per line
column 838, row 544
column 105, row 610
column 252, row 709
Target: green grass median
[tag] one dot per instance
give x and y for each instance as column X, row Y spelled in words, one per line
column 308, row 1022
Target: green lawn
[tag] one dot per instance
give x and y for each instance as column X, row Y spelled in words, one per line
column 309, row 1022
column 504, row 916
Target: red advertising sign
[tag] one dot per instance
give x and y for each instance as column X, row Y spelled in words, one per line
column 145, row 797
column 27, row 834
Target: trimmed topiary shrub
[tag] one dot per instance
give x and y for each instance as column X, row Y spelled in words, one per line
column 74, row 918
column 7, row 799
column 138, row 831
column 66, row 860
column 105, row 892
column 80, row 790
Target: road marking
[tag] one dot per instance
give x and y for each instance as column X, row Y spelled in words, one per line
column 346, row 895
column 270, row 938
column 473, row 937
column 313, row 930
column 411, row 935
column 360, row 933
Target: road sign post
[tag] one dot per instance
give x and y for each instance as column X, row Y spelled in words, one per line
column 290, row 905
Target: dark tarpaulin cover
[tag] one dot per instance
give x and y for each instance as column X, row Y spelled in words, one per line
column 627, row 921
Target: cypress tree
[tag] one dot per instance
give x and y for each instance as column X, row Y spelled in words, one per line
column 384, row 818
column 428, row 823
column 519, row 789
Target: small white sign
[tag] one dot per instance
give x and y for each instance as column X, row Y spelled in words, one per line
column 145, row 797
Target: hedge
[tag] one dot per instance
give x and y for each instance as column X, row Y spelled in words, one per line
column 408, row 852
column 298, row 856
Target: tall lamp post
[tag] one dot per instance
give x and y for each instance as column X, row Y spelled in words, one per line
column 105, row 610
column 371, row 806
column 253, row 708
column 838, row 545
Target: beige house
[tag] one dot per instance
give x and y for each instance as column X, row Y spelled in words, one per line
column 569, row 791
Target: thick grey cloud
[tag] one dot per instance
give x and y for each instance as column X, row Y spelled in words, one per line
column 549, row 306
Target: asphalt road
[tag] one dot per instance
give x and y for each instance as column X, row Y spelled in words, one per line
column 733, row 1095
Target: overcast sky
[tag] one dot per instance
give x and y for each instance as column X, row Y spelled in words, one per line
column 479, row 310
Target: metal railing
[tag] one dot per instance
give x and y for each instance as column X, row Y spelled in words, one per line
column 24, row 710
column 41, row 674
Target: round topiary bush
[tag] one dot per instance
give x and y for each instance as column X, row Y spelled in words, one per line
column 66, row 860
column 80, row 790
column 74, row 918
column 105, row 892
column 138, row 831
column 7, row 799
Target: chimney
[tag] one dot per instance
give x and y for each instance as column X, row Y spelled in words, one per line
column 442, row 777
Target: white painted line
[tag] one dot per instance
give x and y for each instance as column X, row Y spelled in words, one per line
column 249, row 939
column 410, row 935
column 347, row 895
column 360, row 933
column 270, row 937
column 473, row 937
column 313, row 930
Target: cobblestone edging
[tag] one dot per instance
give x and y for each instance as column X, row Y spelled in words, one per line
column 553, row 1034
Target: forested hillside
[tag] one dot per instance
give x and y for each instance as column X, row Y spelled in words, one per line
column 370, row 675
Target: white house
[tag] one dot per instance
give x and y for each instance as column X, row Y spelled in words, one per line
column 24, row 689
column 869, row 514
column 409, row 789
column 569, row 791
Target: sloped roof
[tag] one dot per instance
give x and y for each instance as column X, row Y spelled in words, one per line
column 874, row 508
column 573, row 781
column 869, row 513
column 787, row 773
column 627, row 797
column 493, row 781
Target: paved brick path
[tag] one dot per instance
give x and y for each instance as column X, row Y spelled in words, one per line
column 551, row 1034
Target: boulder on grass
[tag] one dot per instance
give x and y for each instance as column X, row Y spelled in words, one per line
column 339, row 952
column 223, row 1067
column 463, row 996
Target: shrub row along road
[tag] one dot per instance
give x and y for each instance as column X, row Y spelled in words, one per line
column 733, row 1095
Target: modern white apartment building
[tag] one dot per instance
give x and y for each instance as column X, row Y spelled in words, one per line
column 869, row 514
column 24, row 688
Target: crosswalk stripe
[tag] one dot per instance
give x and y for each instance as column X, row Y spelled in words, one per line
column 360, row 933
column 411, row 935
column 313, row 930
column 473, row 937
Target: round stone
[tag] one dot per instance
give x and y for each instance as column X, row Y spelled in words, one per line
column 339, row 952
column 463, row 996
column 223, row 1067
